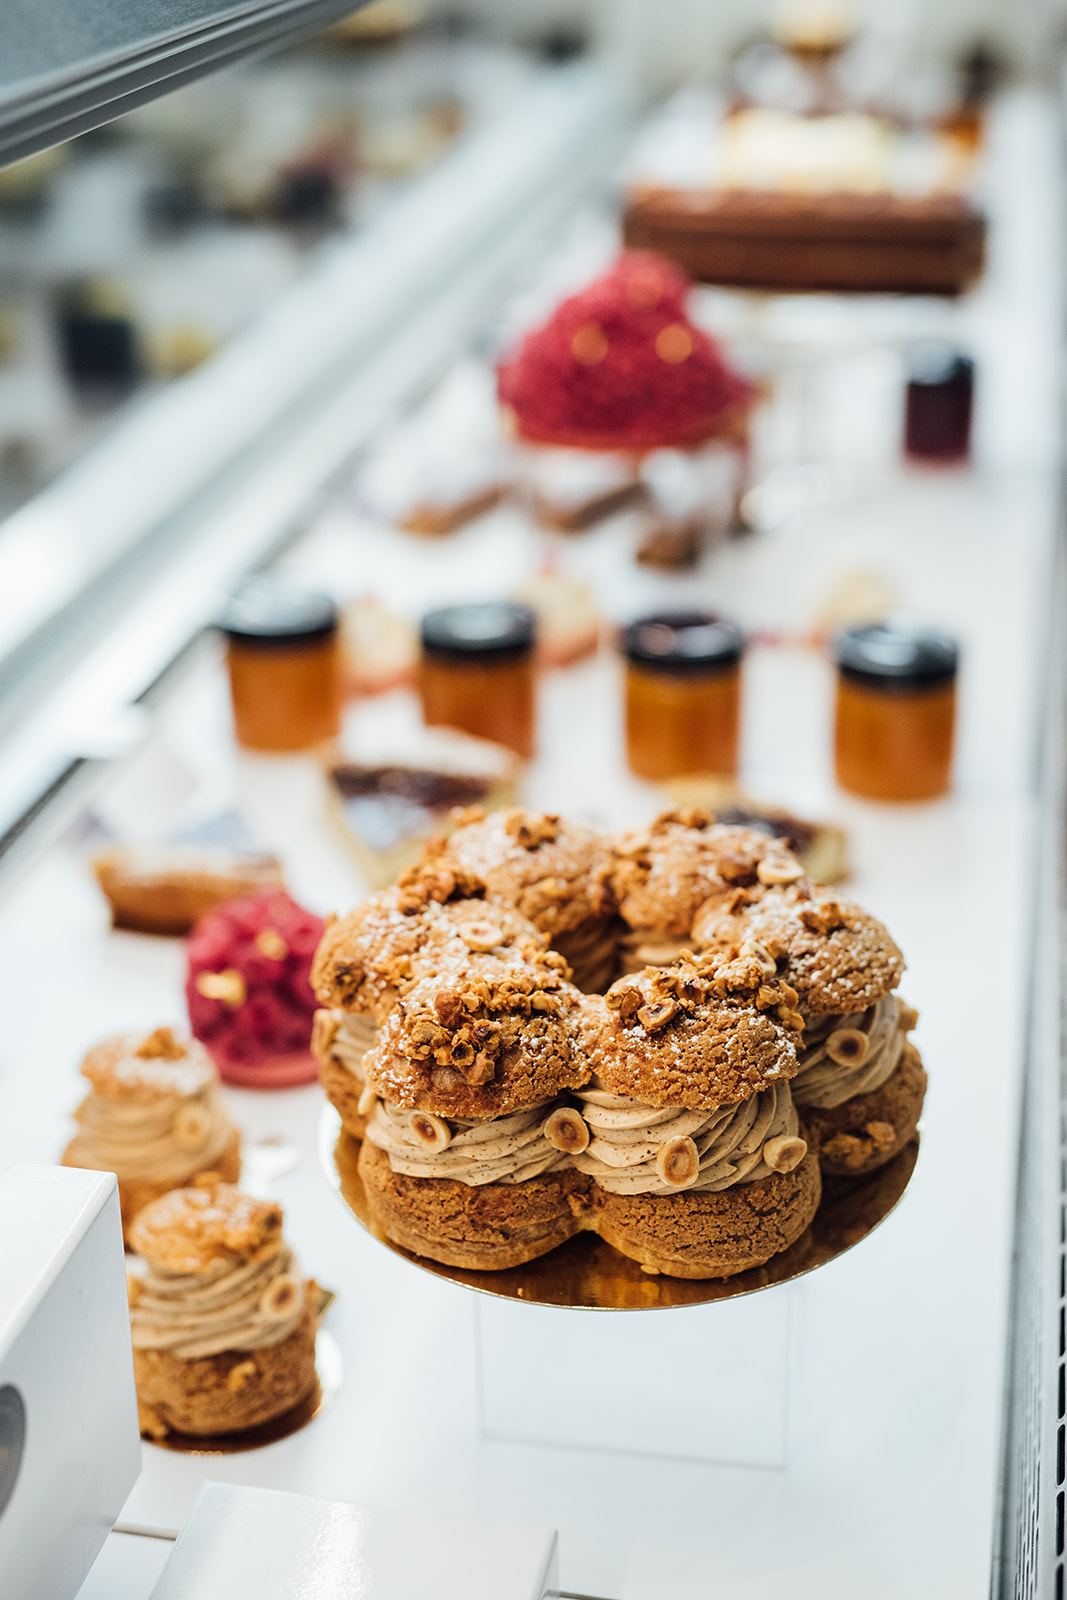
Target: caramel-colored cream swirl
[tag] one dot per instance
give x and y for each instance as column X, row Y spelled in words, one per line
column 236, row 1304
column 164, row 1138
column 636, row 1148
column 506, row 1149
column 844, row 1056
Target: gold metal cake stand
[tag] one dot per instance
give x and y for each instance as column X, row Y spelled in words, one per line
column 586, row 1272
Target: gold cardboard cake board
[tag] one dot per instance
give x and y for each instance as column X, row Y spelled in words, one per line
column 586, row 1272
column 329, row 1369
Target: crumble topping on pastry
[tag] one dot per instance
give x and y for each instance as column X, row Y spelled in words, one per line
column 837, row 956
column 479, row 1042
column 700, row 1033
column 665, row 873
column 372, row 956
column 554, row 871
column 132, row 1066
column 189, row 1230
column 154, row 1113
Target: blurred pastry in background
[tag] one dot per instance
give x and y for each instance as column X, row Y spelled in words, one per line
column 621, row 367
column 173, row 349
column 223, row 1320
column 570, row 490
column 670, row 546
column 854, row 599
column 379, row 650
column 690, row 496
column 165, row 888
column 248, row 990
column 445, row 465
column 153, row 1116
column 568, row 622
column 380, row 22
column 402, row 793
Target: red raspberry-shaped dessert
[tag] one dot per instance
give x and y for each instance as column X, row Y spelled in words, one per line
column 619, row 366
column 250, row 1001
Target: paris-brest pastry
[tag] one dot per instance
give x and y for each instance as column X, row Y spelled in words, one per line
column 555, row 872
column 153, row 1116
column 861, row 1081
column 699, row 1164
column 435, row 916
column 683, row 1115
column 664, row 874
column 223, row 1322
column 466, row 1157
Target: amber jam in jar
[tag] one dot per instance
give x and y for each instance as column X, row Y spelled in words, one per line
column 477, row 672
column 284, row 665
column 938, row 404
column 683, row 694
column 896, row 712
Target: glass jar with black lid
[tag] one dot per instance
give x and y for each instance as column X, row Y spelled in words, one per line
column 284, row 665
column 477, row 672
column 896, row 711
column 683, row 694
column 938, row 403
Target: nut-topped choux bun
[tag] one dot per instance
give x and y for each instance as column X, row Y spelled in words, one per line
column 663, row 874
column 555, row 872
column 861, row 1083
column 481, row 1042
column 153, row 1116
column 432, row 919
column 223, row 1321
column 465, row 1160
column 699, row 1163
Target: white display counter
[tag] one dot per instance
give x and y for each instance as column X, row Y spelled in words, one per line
column 872, row 1466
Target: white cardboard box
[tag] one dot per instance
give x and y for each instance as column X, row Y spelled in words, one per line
column 274, row 1546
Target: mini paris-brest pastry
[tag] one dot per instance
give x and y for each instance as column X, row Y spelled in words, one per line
column 248, row 990
column 435, row 917
column 153, row 1116
column 665, row 873
column 556, row 873
column 861, row 1081
column 700, row 1166
column 465, row 1159
column 223, row 1321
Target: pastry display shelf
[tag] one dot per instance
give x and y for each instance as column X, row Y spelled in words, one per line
column 858, row 1409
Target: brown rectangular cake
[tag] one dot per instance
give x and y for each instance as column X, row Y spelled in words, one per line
column 883, row 242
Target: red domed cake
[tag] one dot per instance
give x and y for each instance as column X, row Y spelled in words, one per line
column 248, row 990
column 619, row 366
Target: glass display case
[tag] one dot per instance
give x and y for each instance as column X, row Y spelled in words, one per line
column 885, row 1422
